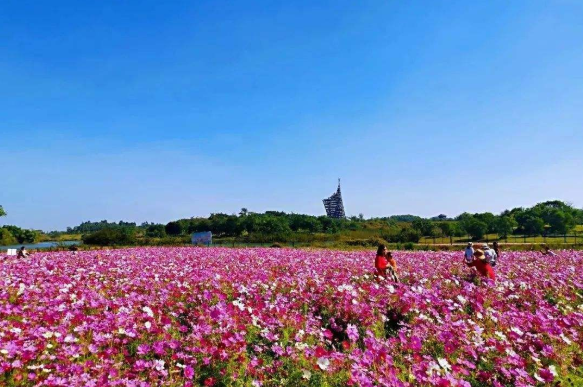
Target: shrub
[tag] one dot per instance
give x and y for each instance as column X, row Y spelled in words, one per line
column 409, row 246
column 6, row 237
column 111, row 237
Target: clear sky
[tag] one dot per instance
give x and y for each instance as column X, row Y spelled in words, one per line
column 158, row 110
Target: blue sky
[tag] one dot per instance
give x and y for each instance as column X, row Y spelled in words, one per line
column 153, row 111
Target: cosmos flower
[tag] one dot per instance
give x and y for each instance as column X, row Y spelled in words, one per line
column 213, row 316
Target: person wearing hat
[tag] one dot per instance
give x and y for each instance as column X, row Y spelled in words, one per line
column 482, row 265
column 490, row 254
column 469, row 253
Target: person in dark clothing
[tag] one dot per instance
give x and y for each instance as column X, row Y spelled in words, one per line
column 496, row 247
column 22, row 253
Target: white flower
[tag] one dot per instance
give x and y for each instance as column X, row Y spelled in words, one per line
column 434, row 367
column 444, row 364
column 553, row 370
column 501, row 335
column 301, row 346
column 566, row 339
column 48, row 335
column 21, row 288
column 517, row 331
column 323, row 363
column 306, row 374
column 148, row 311
column 159, row 365
column 148, row 325
column 70, row 339
column 461, row 299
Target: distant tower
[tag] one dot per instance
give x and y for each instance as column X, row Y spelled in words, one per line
column 333, row 205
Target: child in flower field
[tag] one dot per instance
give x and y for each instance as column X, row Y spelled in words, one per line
column 392, row 267
column 482, row 265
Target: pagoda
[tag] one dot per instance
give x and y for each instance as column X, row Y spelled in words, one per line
column 334, row 206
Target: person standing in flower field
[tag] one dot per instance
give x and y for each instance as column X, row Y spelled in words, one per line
column 490, row 255
column 496, row 248
column 482, row 265
column 469, row 253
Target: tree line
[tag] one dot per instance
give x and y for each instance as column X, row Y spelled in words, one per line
column 547, row 218
column 551, row 217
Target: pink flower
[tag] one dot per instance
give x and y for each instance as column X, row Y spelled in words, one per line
column 188, row 372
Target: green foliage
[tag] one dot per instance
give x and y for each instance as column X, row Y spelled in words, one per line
column 403, row 218
column 156, row 231
column 2, row 212
column 552, row 217
column 6, row 237
column 111, row 237
column 88, row 227
column 473, row 226
column 424, row 226
column 505, row 225
column 174, row 228
column 22, row 235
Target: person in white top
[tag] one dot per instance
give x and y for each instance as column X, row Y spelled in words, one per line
column 490, row 254
column 469, row 253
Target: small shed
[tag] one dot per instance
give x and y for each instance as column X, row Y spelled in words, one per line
column 202, row 238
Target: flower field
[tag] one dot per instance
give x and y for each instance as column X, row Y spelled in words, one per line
column 270, row 317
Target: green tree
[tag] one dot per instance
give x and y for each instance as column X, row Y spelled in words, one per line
column 424, row 226
column 561, row 221
column 156, row 231
column 6, row 237
column 474, row 227
column 409, row 234
column 2, row 212
column 22, row 235
column 199, row 225
column 489, row 219
column 446, row 228
column 504, row 225
column 270, row 225
column 124, row 236
column 534, row 225
column 173, row 228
